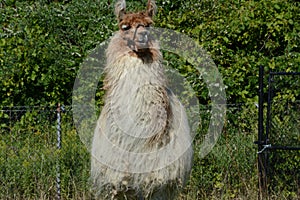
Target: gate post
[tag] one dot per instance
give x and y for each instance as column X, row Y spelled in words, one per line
column 262, row 160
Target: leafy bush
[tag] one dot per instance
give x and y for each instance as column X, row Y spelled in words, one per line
column 240, row 36
column 42, row 46
column 43, row 42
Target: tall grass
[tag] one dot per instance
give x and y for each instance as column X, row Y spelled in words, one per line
column 28, row 160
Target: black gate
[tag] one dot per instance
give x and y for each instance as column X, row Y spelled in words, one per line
column 265, row 128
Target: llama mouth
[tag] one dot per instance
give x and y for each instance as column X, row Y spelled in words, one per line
column 140, row 45
column 143, row 42
column 137, row 45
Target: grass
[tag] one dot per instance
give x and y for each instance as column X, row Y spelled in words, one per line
column 29, row 157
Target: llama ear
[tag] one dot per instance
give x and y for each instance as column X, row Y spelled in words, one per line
column 120, row 9
column 151, row 8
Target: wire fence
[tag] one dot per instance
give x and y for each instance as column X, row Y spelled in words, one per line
column 33, row 160
column 42, row 157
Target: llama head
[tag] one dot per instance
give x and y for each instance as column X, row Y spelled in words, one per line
column 134, row 27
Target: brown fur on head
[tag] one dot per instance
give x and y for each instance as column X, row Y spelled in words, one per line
column 134, row 27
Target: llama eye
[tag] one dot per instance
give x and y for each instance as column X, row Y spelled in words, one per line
column 125, row 27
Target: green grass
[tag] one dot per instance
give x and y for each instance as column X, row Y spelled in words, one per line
column 29, row 157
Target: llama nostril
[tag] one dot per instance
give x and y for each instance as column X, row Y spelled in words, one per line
column 146, row 37
column 143, row 37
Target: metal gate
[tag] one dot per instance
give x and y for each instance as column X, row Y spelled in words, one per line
column 265, row 128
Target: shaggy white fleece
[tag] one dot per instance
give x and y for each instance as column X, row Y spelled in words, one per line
column 142, row 145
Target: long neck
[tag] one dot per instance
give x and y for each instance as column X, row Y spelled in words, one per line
column 136, row 96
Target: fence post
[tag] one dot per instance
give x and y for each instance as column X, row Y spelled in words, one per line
column 261, row 139
column 58, row 113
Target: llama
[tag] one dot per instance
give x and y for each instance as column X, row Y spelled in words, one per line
column 142, row 144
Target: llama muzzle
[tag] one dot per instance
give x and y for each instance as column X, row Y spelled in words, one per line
column 141, row 37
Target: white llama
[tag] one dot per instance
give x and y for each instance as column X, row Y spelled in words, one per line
column 142, row 144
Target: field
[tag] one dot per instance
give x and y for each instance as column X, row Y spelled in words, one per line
column 29, row 159
column 44, row 43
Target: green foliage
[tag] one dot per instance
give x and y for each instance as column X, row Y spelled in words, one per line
column 285, row 131
column 240, row 36
column 42, row 45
